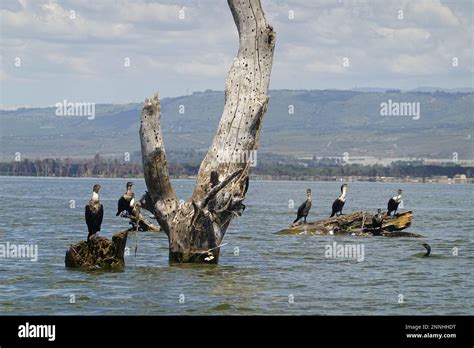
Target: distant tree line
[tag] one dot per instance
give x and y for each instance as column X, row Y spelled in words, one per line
column 106, row 167
column 394, row 170
column 96, row 166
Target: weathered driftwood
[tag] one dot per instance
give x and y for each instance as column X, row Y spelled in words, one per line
column 145, row 225
column 196, row 228
column 100, row 253
column 358, row 224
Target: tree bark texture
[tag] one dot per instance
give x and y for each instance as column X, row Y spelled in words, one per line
column 196, row 228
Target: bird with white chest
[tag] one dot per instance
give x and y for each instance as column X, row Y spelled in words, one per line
column 338, row 204
column 394, row 202
column 126, row 202
column 94, row 213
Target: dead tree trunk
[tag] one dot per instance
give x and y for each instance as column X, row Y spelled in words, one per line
column 196, row 228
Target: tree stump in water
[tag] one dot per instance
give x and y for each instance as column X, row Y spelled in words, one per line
column 196, row 227
column 358, row 224
column 100, row 253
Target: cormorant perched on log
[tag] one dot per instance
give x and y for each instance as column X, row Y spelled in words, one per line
column 339, row 202
column 304, row 208
column 393, row 203
column 377, row 220
column 428, row 249
column 125, row 203
column 94, row 213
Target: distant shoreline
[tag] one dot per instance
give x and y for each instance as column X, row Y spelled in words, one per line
column 410, row 180
column 269, row 169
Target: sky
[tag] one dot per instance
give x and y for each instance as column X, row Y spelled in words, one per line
column 121, row 51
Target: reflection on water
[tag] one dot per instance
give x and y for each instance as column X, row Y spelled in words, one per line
column 272, row 274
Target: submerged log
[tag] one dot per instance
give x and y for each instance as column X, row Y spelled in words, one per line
column 99, row 253
column 358, row 224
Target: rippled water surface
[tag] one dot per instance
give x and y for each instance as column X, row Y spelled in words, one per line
column 269, row 270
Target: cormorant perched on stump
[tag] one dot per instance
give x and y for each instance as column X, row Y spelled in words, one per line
column 304, row 208
column 94, row 213
column 339, row 202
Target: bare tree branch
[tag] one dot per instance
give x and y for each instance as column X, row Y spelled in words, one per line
column 245, row 95
column 155, row 165
column 222, row 182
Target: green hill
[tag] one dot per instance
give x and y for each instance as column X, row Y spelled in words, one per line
column 324, row 123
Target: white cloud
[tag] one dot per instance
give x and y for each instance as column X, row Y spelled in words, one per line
column 197, row 51
column 434, row 13
column 151, row 12
column 325, row 67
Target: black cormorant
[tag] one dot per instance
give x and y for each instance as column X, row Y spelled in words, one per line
column 377, row 220
column 339, row 202
column 393, row 203
column 125, row 203
column 428, row 249
column 94, row 213
column 304, row 208
column 247, row 182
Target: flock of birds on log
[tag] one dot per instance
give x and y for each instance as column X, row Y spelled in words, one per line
column 338, row 205
column 127, row 207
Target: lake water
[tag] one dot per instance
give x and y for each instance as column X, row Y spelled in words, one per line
column 272, row 274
